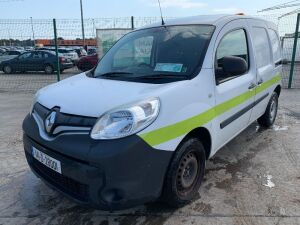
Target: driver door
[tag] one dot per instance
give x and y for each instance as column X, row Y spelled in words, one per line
column 21, row 62
column 234, row 94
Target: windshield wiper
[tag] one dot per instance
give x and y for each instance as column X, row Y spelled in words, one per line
column 113, row 74
column 162, row 76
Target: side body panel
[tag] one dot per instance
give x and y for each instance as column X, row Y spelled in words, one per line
column 266, row 70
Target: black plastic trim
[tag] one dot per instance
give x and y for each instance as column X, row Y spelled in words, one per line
column 242, row 112
column 64, row 119
column 278, row 63
column 119, row 173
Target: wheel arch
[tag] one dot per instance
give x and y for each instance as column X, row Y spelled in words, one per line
column 202, row 134
column 278, row 90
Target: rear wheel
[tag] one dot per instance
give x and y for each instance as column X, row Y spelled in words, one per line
column 268, row 118
column 7, row 69
column 185, row 173
column 48, row 69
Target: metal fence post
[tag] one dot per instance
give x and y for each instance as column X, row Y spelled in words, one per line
column 56, row 50
column 294, row 52
column 132, row 22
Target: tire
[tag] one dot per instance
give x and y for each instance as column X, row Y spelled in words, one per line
column 85, row 67
column 7, row 69
column 48, row 69
column 268, row 118
column 185, row 173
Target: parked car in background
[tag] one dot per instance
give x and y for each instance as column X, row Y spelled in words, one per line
column 2, row 50
column 87, row 62
column 35, row 61
column 69, row 54
column 10, row 55
column 92, row 51
column 80, row 51
column 29, row 48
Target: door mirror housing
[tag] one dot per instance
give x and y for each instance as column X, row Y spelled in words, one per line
column 234, row 65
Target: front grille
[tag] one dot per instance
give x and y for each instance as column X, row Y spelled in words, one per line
column 63, row 119
column 65, row 184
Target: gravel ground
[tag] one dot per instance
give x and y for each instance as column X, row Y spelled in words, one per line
column 30, row 82
column 237, row 187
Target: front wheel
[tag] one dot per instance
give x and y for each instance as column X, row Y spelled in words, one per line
column 7, row 69
column 268, row 118
column 185, row 173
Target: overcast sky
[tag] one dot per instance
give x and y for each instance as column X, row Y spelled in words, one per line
column 40, row 9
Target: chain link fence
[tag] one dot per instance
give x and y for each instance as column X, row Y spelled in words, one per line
column 76, row 54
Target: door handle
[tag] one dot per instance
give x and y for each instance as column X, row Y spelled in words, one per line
column 252, row 86
column 260, row 81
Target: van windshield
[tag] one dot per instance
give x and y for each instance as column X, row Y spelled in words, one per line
column 164, row 53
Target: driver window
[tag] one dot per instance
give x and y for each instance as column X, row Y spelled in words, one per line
column 136, row 52
column 232, row 44
column 25, row 55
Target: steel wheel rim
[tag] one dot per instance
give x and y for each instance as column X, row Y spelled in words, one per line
column 48, row 69
column 7, row 69
column 188, row 173
column 273, row 109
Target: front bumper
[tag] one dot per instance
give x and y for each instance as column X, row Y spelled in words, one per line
column 65, row 66
column 109, row 175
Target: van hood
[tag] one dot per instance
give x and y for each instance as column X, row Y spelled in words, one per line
column 86, row 96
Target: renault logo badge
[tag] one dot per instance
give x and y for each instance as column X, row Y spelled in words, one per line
column 49, row 121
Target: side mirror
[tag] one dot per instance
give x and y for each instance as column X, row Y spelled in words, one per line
column 234, row 65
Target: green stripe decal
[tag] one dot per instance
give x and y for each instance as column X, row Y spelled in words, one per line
column 173, row 131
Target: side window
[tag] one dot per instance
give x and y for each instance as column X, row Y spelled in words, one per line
column 37, row 55
column 232, row 44
column 25, row 55
column 275, row 45
column 261, row 47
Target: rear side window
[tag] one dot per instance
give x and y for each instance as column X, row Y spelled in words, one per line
column 233, row 43
column 14, row 53
column 275, row 45
column 37, row 55
column 261, row 47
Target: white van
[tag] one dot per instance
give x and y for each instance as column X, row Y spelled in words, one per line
column 164, row 99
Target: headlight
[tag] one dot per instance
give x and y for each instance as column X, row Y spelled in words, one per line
column 126, row 120
column 33, row 103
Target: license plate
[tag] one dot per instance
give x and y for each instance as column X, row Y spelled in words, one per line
column 46, row 160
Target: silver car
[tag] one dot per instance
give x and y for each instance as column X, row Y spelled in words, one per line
column 10, row 55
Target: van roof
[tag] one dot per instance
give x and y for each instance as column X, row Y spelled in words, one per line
column 216, row 20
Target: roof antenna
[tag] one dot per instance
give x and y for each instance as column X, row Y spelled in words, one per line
column 162, row 19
